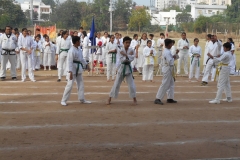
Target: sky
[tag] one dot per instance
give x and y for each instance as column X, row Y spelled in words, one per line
column 139, row 2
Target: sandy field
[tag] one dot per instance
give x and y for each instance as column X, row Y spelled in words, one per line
column 34, row 126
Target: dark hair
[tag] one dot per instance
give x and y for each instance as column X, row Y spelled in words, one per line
column 149, row 41
column 37, row 29
column 227, row 45
column 24, row 29
column 167, row 42
column 111, row 37
column 75, row 39
column 162, row 34
column 116, row 33
column 209, row 35
column 105, row 32
column 84, row 33
column 64, row 32
column 135, row 35
column 212, row 35
column 127, row 39
column 183, row 33
column 173, row 41
column 80, row 28
column 151, row 35
column 231, row 40
column 39, row 36
column 45, row 35
column 8, row 27
column 195, row 39
column 30, row 31
column 15, row 29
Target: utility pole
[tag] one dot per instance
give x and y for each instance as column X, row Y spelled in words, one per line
column 110, row 11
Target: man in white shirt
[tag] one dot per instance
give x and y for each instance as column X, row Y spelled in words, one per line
column 183, row 47
column 8, row 46
column 160, row 46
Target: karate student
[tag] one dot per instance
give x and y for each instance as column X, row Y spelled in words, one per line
column 134, row 45
column 80, row 33
column 149, row 54
column 26, row 46
column 111, row 51
column 47, row 57
column 205, row 58
column 63, row 47
column 160, row 46
column 232, row 63
column 98, row 54
column 167, row 85
column 223, row 80
column 36, row 53
column 140, row 60
column 173, row 49
column 195, row 53
column 8, row 48
column 183, row 47
column 85, row 46
column 75, row 68
column 119, row 43
column 105, row 40
column 214, row 50
column 124, row 71
column 151, row 36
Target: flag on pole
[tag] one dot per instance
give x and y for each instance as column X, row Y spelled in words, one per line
column 92, row 36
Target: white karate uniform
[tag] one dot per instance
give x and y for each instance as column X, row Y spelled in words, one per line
column 111, row 65
column 133, row 45
column 167, row 85
column 224, row 80
column 140, row 60
column 85, row 48
column 214, row 49
column 53, row 49
column 232, row 63
column 66, row 45
column 120, row 45
column 183, row 55
column 74, row 54
column 205, row 56
column 27, row 43
column 8, row 46
column 148, row 63
column 194, row 51
column 127, row 75
column 153, row 43
column 47, row 57
column 160, row 49
column 173, row 50
column 37, row 53
column 98, row 54
column 104, row 55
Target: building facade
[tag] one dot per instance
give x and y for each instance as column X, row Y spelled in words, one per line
column 215, row 2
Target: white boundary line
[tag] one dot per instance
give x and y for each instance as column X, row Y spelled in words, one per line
column 114, row 145
column 232, row 158
column 47, row 126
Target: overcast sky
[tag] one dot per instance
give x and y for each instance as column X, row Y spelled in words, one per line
column 139, row 2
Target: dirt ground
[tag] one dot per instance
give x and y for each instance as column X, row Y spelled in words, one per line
column 34, row 126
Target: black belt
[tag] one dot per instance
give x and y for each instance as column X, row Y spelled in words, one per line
column 7, row 51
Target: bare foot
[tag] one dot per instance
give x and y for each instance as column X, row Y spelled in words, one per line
column 108, row 101
column 152, row 81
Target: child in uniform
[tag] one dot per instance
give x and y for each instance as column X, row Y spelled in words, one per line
column 134, row 46
column 195, row 53
column 167, row 85
column 47, row 57
column 124, row 71
column 37, row 52
column 149, row 54
column 75, row 68
column 224, row 80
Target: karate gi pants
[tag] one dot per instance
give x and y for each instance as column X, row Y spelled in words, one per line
column 183, row 57
column 159, row 57
column 26, row 59
column 195, row 63
column 111, row 68
column 224, row 83
column 167, row 85
column 134, row 63
column 18, row 61
column 148, row 72
column 232, row 64
column 36, row 62
column 131, row 86
column 68, row 88
column 4, row 61
column 61, row 61
column 140, row 62
column 208, row 70
column 47, row 59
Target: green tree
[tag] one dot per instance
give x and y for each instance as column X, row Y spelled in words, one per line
column 184, row 18
column 175, row 7
column 35, row 15
column 200, row 24
column 187, row 8
column 50, row 2
column 45, row 17
column 139, row 19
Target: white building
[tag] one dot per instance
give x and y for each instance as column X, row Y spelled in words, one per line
column 206, row 10
column 215, row 2
column 162, row 18
column 38, row 6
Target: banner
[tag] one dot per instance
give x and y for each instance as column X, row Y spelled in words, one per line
column 51, row 31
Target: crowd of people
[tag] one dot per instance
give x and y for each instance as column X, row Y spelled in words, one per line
column 72, row 54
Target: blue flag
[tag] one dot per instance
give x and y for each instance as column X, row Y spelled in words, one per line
column 92, row 36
